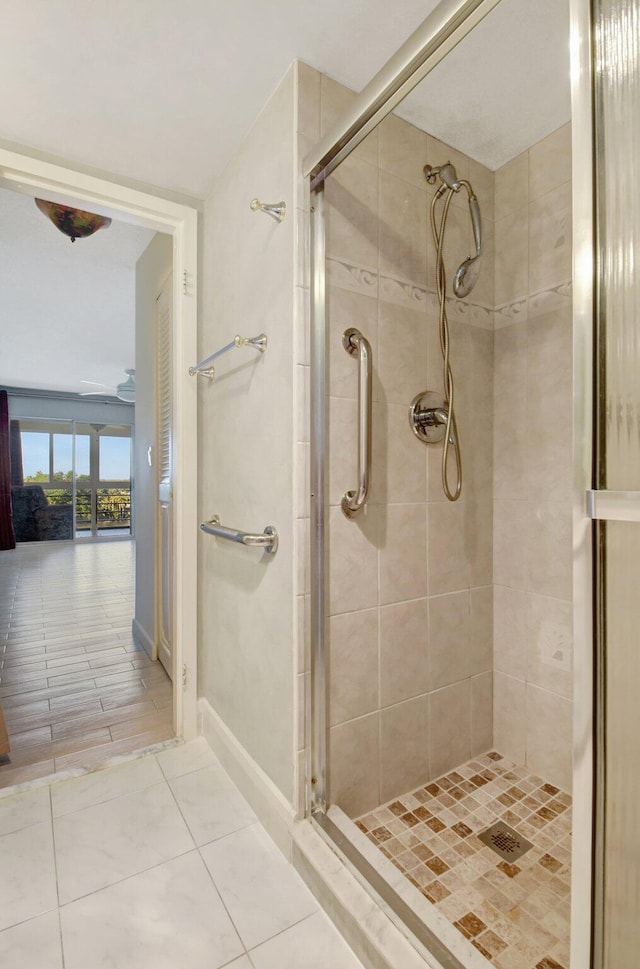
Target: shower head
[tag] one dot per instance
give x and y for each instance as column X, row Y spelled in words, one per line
column 449, row 176
column 447, row 173
column 467, row 273
column 466, row 276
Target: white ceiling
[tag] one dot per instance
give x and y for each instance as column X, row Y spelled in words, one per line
column 164, row 90
column 504, row 87
column 67, row 309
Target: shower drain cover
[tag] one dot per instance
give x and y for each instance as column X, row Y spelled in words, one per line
column 505, row 841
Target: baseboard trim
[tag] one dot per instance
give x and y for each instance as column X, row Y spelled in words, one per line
column 142, row 638
column 272, row 808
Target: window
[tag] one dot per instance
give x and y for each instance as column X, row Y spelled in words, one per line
column 115, row 458
column 102, row 493
column 35, row 456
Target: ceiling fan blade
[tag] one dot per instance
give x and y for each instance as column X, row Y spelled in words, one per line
column 97, row 393
column 95, row 383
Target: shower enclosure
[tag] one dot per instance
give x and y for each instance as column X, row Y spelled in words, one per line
column 452, row 648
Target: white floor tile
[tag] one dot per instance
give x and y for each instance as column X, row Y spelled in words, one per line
column 186, row 758
column 99, row 845
column 261, row 891
column 34, row 943
column 312, row 944
column 241, row 963
column 21, row 810
column 210, row 803
column 170, row 917
column 27, row 874
column 104, row 785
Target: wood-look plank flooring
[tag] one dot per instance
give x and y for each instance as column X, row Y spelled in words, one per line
column 74, row 687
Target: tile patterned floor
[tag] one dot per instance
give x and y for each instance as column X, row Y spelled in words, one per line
column 515, row 914
column 155, row 864
column 75, row 688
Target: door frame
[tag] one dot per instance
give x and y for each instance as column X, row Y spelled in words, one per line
column 32, row 176
column 587, row 720
column 439, row 33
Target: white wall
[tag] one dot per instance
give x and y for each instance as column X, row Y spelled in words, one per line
column 152, row 269
column 247, row 621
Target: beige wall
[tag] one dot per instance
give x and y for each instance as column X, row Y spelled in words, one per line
column 410, row 606
column 532, row 459
column 152, row 269
column 247, row 432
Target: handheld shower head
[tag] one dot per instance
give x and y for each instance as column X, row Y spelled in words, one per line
column 467, row 273
column 466, row 276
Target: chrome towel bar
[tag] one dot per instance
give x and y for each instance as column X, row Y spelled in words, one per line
column 206, row 369
column 358, row 346
column 268, row 540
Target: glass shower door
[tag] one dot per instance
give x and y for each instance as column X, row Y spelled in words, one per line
column 616, row 505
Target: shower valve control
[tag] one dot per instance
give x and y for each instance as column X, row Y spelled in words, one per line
column 428, row 417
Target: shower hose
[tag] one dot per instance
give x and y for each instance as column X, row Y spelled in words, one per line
column 451, row 438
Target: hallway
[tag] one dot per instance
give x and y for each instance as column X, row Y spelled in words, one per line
column 154, row 864
column 75, row 688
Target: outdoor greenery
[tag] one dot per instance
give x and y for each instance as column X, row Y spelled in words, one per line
column 42, row 476
column 114, row 504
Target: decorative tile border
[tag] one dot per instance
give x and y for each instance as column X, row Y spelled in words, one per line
column 481, row 317
column 404, row 293
column 528, row 307
column 367, row 281
column 558, row 298
column 357, row 279
column 511, row 313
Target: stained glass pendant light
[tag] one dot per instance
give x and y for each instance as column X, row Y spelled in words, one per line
column 74, row 223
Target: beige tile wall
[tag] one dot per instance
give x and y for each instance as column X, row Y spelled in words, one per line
column 423, row 645
column 532, row 551
column 410, row 595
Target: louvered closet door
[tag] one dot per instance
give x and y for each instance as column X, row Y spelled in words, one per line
column 164, row 451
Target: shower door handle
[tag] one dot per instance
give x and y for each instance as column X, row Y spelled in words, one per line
column 357, row 345
column 613, row 506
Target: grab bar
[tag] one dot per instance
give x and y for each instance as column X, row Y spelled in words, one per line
column 268, row 540
column 357, row 345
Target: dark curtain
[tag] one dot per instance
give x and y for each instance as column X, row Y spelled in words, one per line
column 15, row 454
column 7, row 536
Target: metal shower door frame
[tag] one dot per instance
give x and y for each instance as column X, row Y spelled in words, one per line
column 448, row 24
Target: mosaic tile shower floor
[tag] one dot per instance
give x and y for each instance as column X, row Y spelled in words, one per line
column 516, row 914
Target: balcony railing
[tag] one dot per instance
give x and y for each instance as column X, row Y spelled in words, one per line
column 112, row 507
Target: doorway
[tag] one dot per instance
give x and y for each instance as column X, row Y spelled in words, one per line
column 101, row 515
